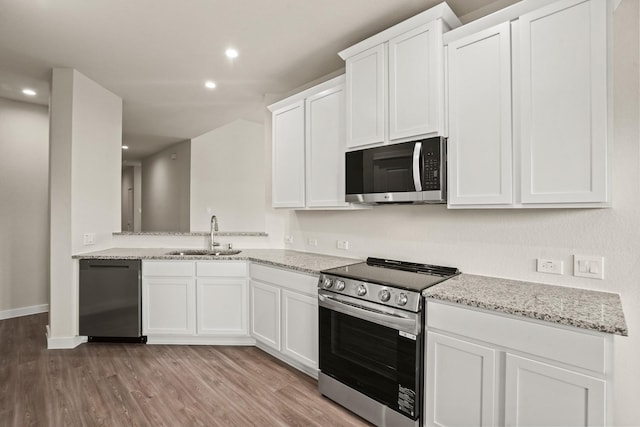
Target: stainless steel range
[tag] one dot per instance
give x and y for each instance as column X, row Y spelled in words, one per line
column 371, row 337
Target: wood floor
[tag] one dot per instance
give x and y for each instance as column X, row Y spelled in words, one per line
column 151, row 385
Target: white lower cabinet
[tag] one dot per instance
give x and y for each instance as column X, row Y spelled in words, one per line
column 284, row 313
column 300, row 327
column 486, row 369
column 195, row 302
column 540, row 394
column 265, row 313
column 168, row 298
column 215, row 302
column 168, row 305
column 461, row 383
column 221, row 306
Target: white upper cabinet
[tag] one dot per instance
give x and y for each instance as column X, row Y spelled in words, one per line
column 563, row 81
column 529, row 107
column 480, row 139
column 395, row 80
column 308, row 148
column 325, row 148
column 367, row 99
column 416, row 82
column 288, row 156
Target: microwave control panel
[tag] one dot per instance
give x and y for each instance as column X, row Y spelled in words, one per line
column 433, row 161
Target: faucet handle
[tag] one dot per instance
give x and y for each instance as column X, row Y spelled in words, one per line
column 215, row 244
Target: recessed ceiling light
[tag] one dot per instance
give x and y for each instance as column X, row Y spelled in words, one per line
column 29, row 92
column 231, row 53
column 210, row 85
column 125, row 147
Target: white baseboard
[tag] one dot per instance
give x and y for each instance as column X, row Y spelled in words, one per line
column 63, row 342
column 191, row 340
column 24, row 311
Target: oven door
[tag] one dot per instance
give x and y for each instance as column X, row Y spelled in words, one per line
column 373, row 349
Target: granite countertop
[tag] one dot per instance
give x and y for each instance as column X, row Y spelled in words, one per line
column 594, row 310
column 300, row 261
column 190, row 233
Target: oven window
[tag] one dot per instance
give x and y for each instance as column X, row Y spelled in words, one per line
column 376, row 360
column 372, row 348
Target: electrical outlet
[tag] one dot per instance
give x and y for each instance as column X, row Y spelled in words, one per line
column 588, row 266
column 288, row 240
column 342, row 244
column 312, row 242
column 549, row 266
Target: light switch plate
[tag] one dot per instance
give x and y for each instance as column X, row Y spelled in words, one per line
column 588, row 266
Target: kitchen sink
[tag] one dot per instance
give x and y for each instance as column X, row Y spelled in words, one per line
column 205, row 252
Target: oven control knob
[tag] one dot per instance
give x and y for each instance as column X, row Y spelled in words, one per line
column 362, row 291
column 402, row 299
column 340, row 285
column 327, row 283
column 384, row 295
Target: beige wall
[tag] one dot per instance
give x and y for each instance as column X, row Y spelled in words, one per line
column 506, row 243
column 227, row 178
column 85, row 188
column 24, row 208
column 165, row 189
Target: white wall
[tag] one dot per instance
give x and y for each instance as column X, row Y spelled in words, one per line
column 227, row 178
column 85, row 168
column 126, row 205
column 505, row 243
column 165, row 189
column 24, row 207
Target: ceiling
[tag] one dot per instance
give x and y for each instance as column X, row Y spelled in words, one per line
column 157, row 54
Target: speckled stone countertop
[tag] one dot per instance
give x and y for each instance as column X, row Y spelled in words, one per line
column 300, row 261
column 599, row 311
column 189, row 233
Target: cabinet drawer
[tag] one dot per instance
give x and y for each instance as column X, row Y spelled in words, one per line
column 221, row 268
column 287, row 279
column 168, row 268
column 570, row 346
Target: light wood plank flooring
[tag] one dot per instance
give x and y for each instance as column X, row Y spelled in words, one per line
column 151, row 385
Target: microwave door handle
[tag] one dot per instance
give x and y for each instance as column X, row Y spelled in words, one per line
column 417, row 181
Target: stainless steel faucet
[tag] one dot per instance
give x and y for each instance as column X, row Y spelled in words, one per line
column 214, row 229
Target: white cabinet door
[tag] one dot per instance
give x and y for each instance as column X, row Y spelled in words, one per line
column 325, row 139
column 265, row 313
column 288, row 157
column 168, row 305
column 563, row 72
column 415, row 71
column 460, row 383
column 538, row 394
column 222, row 306
column 300, row 327
column 366, row 97
column 480, row 132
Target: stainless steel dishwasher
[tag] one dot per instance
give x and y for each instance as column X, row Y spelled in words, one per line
column 110, row 300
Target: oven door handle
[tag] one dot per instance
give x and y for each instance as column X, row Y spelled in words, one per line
column 399, row 321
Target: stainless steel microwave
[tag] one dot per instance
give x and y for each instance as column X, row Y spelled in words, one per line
column 410, row 172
